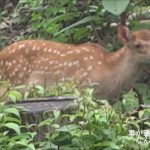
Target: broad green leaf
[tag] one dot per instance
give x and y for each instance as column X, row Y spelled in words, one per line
column 115, row 7
column 14, row 95
column 63, row 138
column 14, row 111
column 40, row 89
column 147, row 123
column 14, row 127
column 12, row 119
column 26, row 144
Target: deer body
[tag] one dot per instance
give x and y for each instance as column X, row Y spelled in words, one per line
column 45, row 62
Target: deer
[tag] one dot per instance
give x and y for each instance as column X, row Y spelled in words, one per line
column 48, row 62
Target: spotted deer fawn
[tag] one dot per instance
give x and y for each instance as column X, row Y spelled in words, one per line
column 45, row 62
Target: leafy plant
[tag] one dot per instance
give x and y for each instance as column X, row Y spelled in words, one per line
column 11, row 136
column 91, row 125
column 115, row 6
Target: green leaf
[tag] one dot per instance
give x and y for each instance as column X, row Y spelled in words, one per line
column 141, row 113
column 31, row 146
column 12, row 119
column 26, row 144
column 14, row 111
column 14, row 95
column 115, row 7
column 14, row 127
column 63, row 138
column 69, row 128
column 80, row 22
column 40, row 89
column 80, row 33
column 56, row 113
column 1, row 115
column 109, row 144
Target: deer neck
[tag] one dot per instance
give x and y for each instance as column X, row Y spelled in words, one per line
column 126, row 68
column 122, row 71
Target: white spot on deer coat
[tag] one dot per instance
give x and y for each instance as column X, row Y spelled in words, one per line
column 91, row 57
column 76, row 62
column 21, row 46
column 62, row 55
column 14, row 61
column 45, row 49
column 16, row 69
column 21, row 60
column 49, row 50
column 24, row 68
column 54, row 51
column 58, row 52
column 51, row 62
column 60, row 65
column 89, row 68
column 84, row 74
column 65, row 63
column 46, row 67
column 9, row 64
column 86, row 49
column 85, row 58
column 34, row 48
column 70, row 64
column 43, row 44
column 69, row 52
column 99, row 62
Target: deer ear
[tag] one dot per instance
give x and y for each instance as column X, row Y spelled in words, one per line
column 123, row 34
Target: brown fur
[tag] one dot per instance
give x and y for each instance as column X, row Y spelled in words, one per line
column 40, row 61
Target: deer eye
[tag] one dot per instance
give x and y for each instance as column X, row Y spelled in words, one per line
column 138, row 45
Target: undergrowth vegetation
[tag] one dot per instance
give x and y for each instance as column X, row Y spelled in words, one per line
column 85, row 124
column 72, row 21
